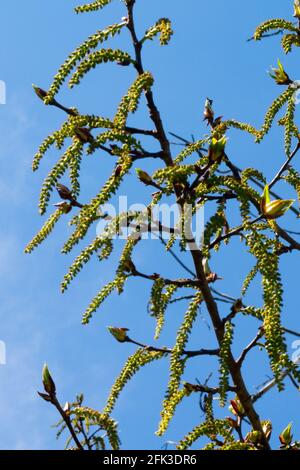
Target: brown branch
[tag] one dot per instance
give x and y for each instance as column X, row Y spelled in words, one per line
column 232, row 233
column 67, row 421
column 211, row 305
column 250, row 346
column 83, row 432
column 291, row 332
column 276, row 195
column 153, row 111
column 173, row 254
column 234, row 369
column 220, row 197
column 58, row 105
column 284, row 167
column 175, row 282
column 268, row 35
column 294, row 245
column 199, row 352
column 235, row 170
column 205, row 389
column 269, row 385
column 135, row 130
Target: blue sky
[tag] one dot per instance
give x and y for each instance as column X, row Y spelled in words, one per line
column 208, row 56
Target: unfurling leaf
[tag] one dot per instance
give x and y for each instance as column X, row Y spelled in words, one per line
column 48, row 382
column 120, row 334
column 216, row 148
column 286, row 436
column 39, row 92
column 144, row 177
column 208, row 111
column 297, row 8
column 274, row 209
column 279, row 75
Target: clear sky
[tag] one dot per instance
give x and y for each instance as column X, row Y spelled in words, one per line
column 208, row 56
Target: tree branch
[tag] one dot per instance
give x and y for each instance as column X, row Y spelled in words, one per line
column 284, row 167
column 153, row 111
column 67, row 420
column 199, row 352
column 250, row 346
column 235, row 370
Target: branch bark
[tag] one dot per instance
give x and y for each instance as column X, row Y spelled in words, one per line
column 211, row 304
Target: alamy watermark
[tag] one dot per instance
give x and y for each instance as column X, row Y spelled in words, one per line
column 2, row 353
column 163, row 220
column 296, row 86
column 2, row 92
column 296, row 354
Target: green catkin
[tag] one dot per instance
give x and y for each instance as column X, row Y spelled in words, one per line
column 293, row 178
column 133, row 364
column 81, row 260
column 221, row 129
column 211, row 428
column 74, row 168
column 58, row 138
column 238, row 446
column 203, row 429
column 130, row 101
column 244, row 193
column 277, row 104
column 249, row 278
column 93, row 6
column 274, row 24
column 97, row 58
column 253, row 312
column 114, row 134
column 163, row 28
column 79, row 54
column 98, row 300
column 252, row 173
column 116, row 284
column 171, row 241
column 100, row 419
column 272, row 293
column 73, row 151
column 88, row 214
column 103, row 241
column 288, row 41
column 177, row 365
column 214, row 226
column 67, row 130
column 224, row 360
column 160, row 314
column 174, row 174
column 156, row 300
column 46, row 144
column 106, row 250
column 130, row 244
column 90, row 121
column 45, row 230
column 189, row 150
column 289, row 125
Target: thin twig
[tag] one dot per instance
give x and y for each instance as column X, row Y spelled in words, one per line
column 232, row 233
column 291, row 332
column 86, row 438
column 68, row 422
column 267, row 35
column 284, row 166
column 250, row 346
column 199, row 352
column 172, row 253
